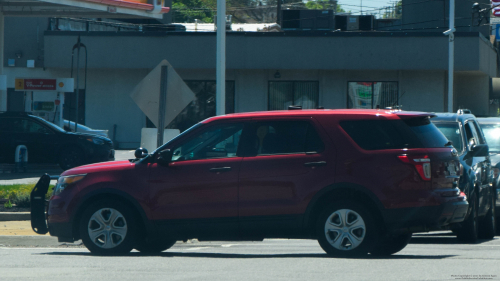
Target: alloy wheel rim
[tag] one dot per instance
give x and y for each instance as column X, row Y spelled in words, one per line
column 345, row 229
column 107, row 228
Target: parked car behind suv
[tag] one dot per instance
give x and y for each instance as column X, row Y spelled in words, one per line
column 491, row 130
column 48, row 143
column 358, row 181
column 463, row 130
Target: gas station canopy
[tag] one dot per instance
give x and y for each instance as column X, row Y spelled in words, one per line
column 84, row 8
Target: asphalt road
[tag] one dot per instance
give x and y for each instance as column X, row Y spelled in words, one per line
column 428, row 257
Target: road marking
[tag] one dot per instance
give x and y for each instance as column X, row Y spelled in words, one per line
column 198, row 248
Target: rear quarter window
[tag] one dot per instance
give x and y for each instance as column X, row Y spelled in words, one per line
column 394, row 134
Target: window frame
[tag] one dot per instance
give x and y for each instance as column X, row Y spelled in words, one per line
column 293, row 90
column 370, row 81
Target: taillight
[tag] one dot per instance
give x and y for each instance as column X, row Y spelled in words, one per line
column 422, row 164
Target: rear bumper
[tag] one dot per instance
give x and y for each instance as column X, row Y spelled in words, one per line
column 421, row 219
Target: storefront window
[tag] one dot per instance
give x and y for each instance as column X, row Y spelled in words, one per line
column 367, row 95
column 284, row 94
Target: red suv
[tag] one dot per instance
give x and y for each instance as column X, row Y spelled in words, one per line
column 358, row 181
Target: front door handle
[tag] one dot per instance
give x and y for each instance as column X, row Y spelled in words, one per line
column 220, row 170
column 315, row 164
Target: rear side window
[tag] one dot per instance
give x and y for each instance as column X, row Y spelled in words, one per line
column 394, row 134
column 284, row 137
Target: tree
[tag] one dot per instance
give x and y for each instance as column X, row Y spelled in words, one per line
column 325, row 5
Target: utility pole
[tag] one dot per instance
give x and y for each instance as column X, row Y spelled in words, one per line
column 451, row 54
column 220, row 96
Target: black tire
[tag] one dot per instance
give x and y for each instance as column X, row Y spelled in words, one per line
column 358, row 234
column 112, row 236
column 71, row 157
column 469, row 230
column 391, row 245
column 154, row 246
column 488, row 225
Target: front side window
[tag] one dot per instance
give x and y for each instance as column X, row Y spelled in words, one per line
column 33, row 127
column 216, row 142
column 284, row 94
column 471, row 139
column 478, row 132
column 369, row 95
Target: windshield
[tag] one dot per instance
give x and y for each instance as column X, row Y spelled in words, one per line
column 51, row 125
column 452, row 131
column 492, row 135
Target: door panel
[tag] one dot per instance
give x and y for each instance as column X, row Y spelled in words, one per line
column 196, row 195
column 189, row 189
column 287, row 164
column 279, row 184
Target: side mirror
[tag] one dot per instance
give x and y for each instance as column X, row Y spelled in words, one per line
column 480, row 150
column 165, row 157
column 141, row 152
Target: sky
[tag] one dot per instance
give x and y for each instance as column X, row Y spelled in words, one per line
column 366, row 5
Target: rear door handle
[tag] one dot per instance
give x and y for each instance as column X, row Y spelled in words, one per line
column 315, row 164
column 220, row 170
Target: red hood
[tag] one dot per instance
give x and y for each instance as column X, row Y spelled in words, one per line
column 100, row 167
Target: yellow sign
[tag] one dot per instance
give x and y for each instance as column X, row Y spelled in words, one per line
column 19, row 84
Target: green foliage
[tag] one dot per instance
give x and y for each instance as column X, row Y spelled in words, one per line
column 8, row 205
column 324, row 5
column 189, row 10
column 19, row 194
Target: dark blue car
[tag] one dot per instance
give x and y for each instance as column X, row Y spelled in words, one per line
column 463, row 130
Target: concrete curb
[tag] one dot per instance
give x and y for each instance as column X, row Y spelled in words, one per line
column 15, row 216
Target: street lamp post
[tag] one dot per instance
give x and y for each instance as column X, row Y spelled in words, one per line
column 451, row 54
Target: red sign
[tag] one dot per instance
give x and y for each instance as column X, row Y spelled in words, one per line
column 35, row 84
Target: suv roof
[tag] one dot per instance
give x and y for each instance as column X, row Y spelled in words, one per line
column 390, row 114
column 453, row 117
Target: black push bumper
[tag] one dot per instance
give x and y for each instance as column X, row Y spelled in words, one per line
column 38, row 204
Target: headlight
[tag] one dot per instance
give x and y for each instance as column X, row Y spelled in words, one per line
column 96, row 141
column 64, row 182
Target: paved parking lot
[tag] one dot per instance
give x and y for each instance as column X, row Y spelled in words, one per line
column 428, row 257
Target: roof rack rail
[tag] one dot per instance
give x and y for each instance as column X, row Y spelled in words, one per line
column 295, row 107
column 464, row 111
